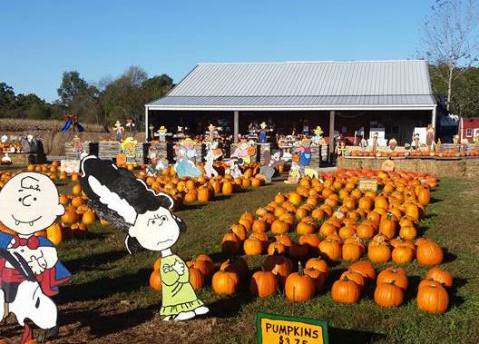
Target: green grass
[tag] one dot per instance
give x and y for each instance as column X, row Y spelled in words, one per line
column 109, row 300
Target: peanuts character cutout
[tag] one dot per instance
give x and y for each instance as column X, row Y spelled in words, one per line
column 29, row 203
column 146, row 216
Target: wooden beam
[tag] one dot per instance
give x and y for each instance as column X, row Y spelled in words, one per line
column 146, row 123
column 235, row 126
column 433, row 117
column 331, row 131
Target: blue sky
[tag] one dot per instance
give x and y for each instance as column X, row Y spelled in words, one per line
column 101, row 38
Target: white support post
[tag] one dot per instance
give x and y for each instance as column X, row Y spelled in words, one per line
column 433, row 118
column 331, row 131
column 235, row 126
column 146, row 123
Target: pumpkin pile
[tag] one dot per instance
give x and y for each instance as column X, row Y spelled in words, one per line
column 334, row 221
column 201, row 189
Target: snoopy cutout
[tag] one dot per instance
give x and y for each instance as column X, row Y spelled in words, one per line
column 122, row 199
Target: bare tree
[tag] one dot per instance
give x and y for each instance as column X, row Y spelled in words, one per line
column 451, row 39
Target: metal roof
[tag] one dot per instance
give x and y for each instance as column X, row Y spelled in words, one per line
column 284, row 85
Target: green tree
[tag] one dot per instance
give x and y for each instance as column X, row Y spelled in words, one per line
column 7, row 99
column 70, row 87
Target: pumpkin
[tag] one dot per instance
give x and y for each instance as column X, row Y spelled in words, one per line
column 432, row 298
column 276, row 248
column 440, row 276
column 227, row 188
column 394, row 275
column 429, row 253
column 408, row 233
column 317, row 214
column 365, row 268
column 379, row 253
column 365, row 231
column 310, row 240
column 279, row 227
column 352, row 252
column 402, row 254
column 204, row 194
column 295, row 198
column 237, row 265
column 263, row 284
column 356, row 277
column 326, row 229
column 318, row 276
column 230, row 244
column 317, row 264
column 365, row 203
column 346, row 232
column 155, row 280
column 259, row 226
column 345, row 291
column 240, row 231
column 206, row 267
column 424, row 196
column 279, row 265
column 330, row 249
column 299, row 287
column 76, row 189
column 306, row 226
column 284, row 239
column 225, row 282
column 69, row 217
column 197, row 279
column 252, row 247
column 388, row 295
column 88, row 217
column 387, row 227
column 191, row 196
column 54, row 234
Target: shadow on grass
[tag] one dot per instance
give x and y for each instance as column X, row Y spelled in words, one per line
column 104, row 287
column 448, row 256
column 104, row 324
column 435, row 200
column 229, row 307
column 344, row 336
column 91, row 262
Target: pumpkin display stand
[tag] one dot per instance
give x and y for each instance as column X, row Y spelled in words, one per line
column 458, row 167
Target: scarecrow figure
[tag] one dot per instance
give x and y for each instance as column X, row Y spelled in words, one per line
column 161, row 133
column 30, row 272
column 77, row 147
column 185, row 165
column 305, row 153
column 130, row 126
column 317, row 139
column 148, row 219
column 245, row 150
column 263, row 132
column 119, row 131
column 213, row 133
column 213, row 153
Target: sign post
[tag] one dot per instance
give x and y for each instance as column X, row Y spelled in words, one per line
column 279, row 329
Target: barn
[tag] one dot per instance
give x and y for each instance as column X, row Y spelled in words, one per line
column 340, row 96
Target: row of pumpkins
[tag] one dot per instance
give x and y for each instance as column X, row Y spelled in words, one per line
column 278, row 275
column 334, row 221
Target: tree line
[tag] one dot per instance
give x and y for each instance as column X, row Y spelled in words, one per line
column 103, row 103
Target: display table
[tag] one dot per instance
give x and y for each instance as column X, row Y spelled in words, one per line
column 444, row 167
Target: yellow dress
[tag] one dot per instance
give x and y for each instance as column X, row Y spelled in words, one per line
column 177, row 293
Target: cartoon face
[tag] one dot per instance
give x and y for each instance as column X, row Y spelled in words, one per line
column 156, row 230
column 29, row 203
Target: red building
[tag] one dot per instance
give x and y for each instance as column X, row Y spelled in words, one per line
column 469, row 128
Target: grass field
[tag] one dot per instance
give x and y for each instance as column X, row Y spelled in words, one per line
column 109, row 299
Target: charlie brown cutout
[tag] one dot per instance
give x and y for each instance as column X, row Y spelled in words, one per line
column 29, row 268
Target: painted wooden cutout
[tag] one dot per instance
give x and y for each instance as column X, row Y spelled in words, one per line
column 29, row 266
column 129, row 204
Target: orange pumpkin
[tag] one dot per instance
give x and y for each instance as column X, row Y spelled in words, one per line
column 345, row 291
column 397, row 276
column 155, row 280
column 432, row 298
column 440, row 276
column 299, row 287
column 429, row 253
column 388, row 295
column 263, row 284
